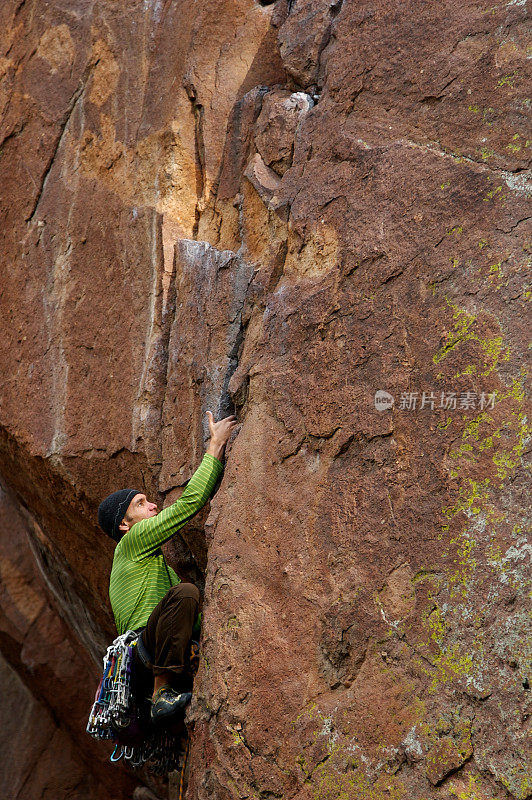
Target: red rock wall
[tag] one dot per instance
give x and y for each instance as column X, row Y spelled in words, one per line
column 278, row 210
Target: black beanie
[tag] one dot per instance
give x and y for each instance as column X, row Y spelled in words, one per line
column 111, row 511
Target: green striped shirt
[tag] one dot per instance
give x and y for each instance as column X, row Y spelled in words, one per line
column 140, row 576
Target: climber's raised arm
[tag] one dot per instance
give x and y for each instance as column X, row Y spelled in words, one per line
column 143, row 530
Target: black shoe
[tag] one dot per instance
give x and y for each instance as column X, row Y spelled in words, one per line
column 167, row 702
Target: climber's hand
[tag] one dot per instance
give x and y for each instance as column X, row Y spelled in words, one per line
column 221, row 431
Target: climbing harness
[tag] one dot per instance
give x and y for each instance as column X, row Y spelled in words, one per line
column 119, row 715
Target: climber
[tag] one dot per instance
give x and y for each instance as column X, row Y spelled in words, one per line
column 146, row 594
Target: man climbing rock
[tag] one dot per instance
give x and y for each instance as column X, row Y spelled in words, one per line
column 146, row 594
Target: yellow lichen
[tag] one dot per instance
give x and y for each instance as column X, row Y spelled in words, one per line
column 507, row 80
column 514, row 146
column 471, row 429
column 469, row 788
column 444, row 425
column 492, row 193
column 493, row 350
column 486, row 153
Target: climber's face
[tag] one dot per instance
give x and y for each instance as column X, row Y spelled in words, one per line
column 139, row 508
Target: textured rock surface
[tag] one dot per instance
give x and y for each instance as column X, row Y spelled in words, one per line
column 48, row 678
column 278, row 210
column 33, row 748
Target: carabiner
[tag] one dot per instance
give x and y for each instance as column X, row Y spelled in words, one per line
column 114, row 751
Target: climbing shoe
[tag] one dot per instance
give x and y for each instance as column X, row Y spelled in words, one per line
column 167, row 702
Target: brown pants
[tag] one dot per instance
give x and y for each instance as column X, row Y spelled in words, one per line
column 167, row 636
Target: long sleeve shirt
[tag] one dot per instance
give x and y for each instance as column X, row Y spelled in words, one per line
column 140, row 576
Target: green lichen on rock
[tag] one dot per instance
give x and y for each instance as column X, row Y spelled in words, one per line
column 446, row 757
column 507, row 80
column 488, row 453
column 472, row 495
column 470, row 787
column 461, row 331
column 492, row 349
column 336, row 760
column 519, row 785
column 354, row 784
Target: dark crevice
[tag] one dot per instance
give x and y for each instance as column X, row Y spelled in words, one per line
column 326, row 38
column 296, row 451
column 228, row 403
column 19, row 8
column 323, row 436
column 514, row 226
column 278, row 269
column 345, row 446
column 431, row 100
column 453, row 771
column 227, row 406
column 328, row 34
column 391, row 277
column 434, row 99
column 199, row 144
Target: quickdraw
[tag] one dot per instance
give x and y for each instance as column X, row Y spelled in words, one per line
column 115, row 710
column 113, row 699
column 161, row 750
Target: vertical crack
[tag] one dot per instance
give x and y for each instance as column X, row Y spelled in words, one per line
column 64, row 124
column 197, row 109
column 227, row 404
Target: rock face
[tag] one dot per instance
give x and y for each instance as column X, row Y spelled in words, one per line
column 314, row 215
